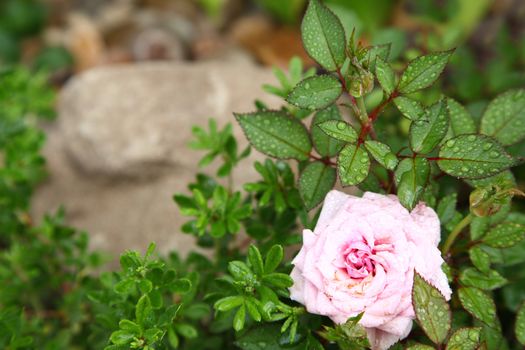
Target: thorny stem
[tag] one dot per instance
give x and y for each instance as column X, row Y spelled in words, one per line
column 345, row 87
column 363, row 114
column 455, row 233
column 367, row 127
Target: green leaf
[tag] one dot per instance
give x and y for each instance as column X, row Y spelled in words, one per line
column 504, row 235
column 144, row 311
column 145, row 286
column 181, row 285
column 447, row 208
column 273, row 258
column 173, row 339
column 504, row 118
column 519, row 328
column 431, row 308
column 121, row 337
column 256, row 261
column 465, row 339
column 125, row 286
column 423, row 71
column 353, row 165
column 473, row 156
column 419, row 347
column 480, row 258
column 187, row 330
column 277, row 279
column 386, row 76
column 129, row 326
column 461, row 122
column 315, row 182
column 323, row 36
column 428, row 131
column 479, row 305
column 411, row 178
column 251, row 306
column 411, row 109
column 240, row 271
column 382, row 154
column 276, row 134
column 478, row 227
column 324, row 144
column 316, row 92
column 228, row 303
column 374, row 52
column 487, row 281
column 339, row 130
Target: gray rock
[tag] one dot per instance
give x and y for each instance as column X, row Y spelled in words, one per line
column 119, row 149
column 135, row 120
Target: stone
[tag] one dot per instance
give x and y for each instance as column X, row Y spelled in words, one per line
column 135, row 120
column 118, row 151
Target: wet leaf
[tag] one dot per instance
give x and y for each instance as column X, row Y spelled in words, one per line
column 504, row 235
column 323, row 36
column 411, row 178
column 339, row 130
column 473, row 156
column 504, row 118
column 428, row 131
column 480, row 258
column 464, row 339
column 431, row 308
column 315, row 92
column 385, row 75
column 325, row 145
column 382, row 154
column 276, row 134
column 486, row 281
column 461, row 122
column 410, row 109
column 423, row 71
column 353, row 165
column 479, row 305
column 315, row 182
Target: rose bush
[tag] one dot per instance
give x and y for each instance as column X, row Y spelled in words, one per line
column 361, row 258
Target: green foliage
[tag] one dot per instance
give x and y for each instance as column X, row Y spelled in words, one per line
column 315, row 182
column 353, row 165
column 296, row 74
column 423, row 71
column 520, row 325
column 350, row 335
column 315, row 92
column 504, row 118
column 323, row 36
column 411, row 177
column 479, row 304
column 374, row 127
column 218, row 144
column 431, row 308
column 411, row 109
column 465, row 339
column 276, row 134
column 217, row 211
column 428, row 131
column 325, row 144
column 473, row 156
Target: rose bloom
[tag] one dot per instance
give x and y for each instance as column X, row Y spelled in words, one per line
column 361, row 257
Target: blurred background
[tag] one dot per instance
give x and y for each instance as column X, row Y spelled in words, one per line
column 134, row 76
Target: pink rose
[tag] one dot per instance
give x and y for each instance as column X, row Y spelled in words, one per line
column 361, row 258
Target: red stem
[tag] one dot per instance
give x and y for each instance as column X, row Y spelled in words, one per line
column 367, row 127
